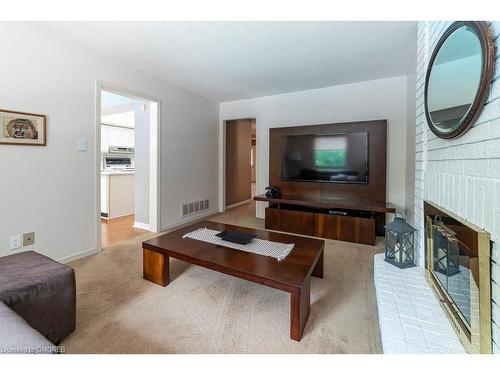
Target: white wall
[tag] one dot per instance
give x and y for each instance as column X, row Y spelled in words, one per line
column 51, row 190
column 372, row 100
column 141, row 160
column 410, row 139
column 461, row 175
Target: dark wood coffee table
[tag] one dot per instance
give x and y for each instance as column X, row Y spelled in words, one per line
column 292, row 275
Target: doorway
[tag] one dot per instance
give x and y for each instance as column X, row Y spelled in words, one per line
column 240, row 162
column 127, row 164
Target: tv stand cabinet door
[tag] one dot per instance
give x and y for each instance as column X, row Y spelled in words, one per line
column 345, row 228
column 298, row 222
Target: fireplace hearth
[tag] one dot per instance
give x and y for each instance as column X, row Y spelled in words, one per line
column 458, row 270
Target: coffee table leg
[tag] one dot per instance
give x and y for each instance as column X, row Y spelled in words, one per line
column 299, row 310
column 318, row 270
column 155, row 267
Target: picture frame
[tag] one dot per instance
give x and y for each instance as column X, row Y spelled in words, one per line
column 22, row 128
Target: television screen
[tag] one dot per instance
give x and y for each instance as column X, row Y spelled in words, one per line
column 336, row 157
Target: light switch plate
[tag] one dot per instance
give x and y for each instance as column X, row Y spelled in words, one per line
column 28, row 238
column 15, row 242
column 82, row 145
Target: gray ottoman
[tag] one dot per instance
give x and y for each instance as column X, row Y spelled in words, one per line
column 42, row 291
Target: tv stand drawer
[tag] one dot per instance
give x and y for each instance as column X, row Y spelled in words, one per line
column 336, row 227
column 298, row 222
column 345, row 228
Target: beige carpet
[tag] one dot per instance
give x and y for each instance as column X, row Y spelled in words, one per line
column 203, row 311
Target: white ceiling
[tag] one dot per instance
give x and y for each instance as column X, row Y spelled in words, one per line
column 226, row 61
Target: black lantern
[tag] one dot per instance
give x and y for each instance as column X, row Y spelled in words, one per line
column 399, row 243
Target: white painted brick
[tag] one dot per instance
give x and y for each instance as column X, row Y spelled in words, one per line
column 495, row 128
column 496, row 348
column 419, row 184
column 420, row 112
column 434, row 155
column 494, row 168
column 495, row 312
column 495, row 255
column 496, row 232
column 452, row 142
column 439, row 188
column 463, row 174
column 495, row 27
column 489, row 149
column 419, row 147
column 496, row 333
column 435, row 144
column 478, row 133
column 419, row 174
column 495, row 286
column 455, row 203
column 411, row 320
column 488, row 206
column 466, row 151
column 462, row 196
column 447, row 192
column 488, row 113
column 494, row 91
column 418, row 138
column 432, row 166
column 477, row 217
column 420, row 99
column 455, row 166
column 477, row 168
column 469, row 202
column 495, row 275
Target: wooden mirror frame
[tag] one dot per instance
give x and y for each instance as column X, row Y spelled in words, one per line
column 485, row 37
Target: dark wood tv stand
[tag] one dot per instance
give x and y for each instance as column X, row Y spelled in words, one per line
column 352, row 212
column 338, row 218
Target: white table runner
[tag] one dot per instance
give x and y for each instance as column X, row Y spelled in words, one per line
column 271, row 249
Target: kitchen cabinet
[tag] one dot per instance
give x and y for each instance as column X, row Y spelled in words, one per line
column 116, row 136
column 117, row 194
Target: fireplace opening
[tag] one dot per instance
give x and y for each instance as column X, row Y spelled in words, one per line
column 458, row 270
column 452, row 266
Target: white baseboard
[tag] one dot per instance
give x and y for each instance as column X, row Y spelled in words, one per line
column 81, row 254
column 239, row 204
column 117, row 217
column 139, row 225
column 180, row 223
column 190, row 219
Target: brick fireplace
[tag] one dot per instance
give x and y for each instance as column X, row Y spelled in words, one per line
column 458, row 268
column 461, row 176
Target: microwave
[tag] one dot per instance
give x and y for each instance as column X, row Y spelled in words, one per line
column 120, row 150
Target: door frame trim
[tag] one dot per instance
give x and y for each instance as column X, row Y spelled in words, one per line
column 154, row 154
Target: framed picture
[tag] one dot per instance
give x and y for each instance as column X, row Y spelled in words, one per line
column 19, row 128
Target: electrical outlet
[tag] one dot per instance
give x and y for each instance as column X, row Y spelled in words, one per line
column 28, row 238
column 15, row 242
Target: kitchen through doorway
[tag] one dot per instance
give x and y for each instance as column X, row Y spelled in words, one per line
column 128, row 134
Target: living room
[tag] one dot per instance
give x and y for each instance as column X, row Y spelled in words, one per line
column 374, row 225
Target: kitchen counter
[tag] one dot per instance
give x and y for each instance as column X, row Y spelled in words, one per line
column 116, row 173
column 117, row 193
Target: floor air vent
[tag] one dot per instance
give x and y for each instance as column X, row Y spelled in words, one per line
column 194, row 207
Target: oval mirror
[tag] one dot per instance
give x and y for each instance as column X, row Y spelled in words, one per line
column 458, row 78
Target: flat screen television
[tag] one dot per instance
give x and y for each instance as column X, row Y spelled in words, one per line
column 333, row 157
